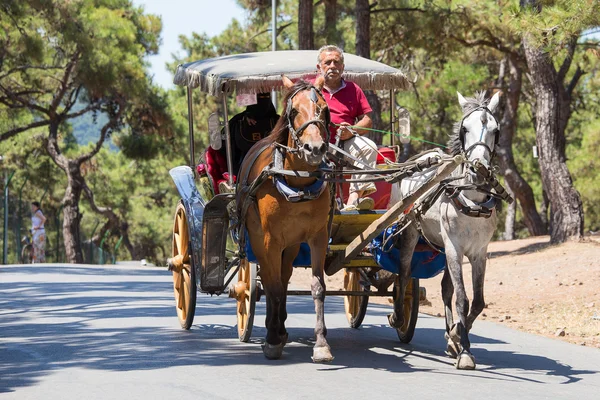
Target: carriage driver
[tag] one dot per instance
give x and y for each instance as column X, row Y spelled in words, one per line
column 348, row 106
column 245, row 128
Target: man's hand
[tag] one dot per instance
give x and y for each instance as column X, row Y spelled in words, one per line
column 345, row 132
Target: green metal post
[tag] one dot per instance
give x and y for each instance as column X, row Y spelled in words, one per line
column 102, row 246
column 44, row 195
column 19, row 219
column 92, row 243
column 116, row 249
column 57, row 219
column 5, row 236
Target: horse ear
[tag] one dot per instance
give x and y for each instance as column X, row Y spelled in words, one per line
column 494, row 101
column 461, row 100
column 287, row 82
column 319, row 82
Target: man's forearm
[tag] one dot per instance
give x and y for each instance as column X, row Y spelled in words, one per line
column 364, row 122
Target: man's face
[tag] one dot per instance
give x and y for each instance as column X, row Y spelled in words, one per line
column 331, row 66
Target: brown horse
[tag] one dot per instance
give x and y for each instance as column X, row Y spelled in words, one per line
column 276, row 227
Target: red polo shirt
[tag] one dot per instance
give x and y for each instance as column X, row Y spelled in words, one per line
column 346, row 105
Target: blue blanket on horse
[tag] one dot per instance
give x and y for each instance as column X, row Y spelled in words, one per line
column 425, row 263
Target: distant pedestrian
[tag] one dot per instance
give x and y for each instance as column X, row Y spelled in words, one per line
column 38, row 232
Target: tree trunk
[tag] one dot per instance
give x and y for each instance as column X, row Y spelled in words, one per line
column 332, row 35
column 363, row 49
column 508, row 125
column 509, row 222
column 72, row 216
column 553, row 111
column 305, row 25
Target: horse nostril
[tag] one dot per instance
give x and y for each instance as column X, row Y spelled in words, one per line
column 323, row 148
column 307, row 147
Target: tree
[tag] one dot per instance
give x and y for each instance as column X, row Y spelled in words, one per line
column 363, row 49
column 57, row 55
column 330, row 30
column 553, row 88
column 306, row 40
column 448, row 32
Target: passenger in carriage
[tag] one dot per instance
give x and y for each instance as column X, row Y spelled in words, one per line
column 245, row 128
column 348, row 106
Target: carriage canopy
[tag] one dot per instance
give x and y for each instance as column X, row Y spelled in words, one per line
column 261, row 72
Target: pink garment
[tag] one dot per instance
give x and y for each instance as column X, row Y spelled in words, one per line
column 346, row 105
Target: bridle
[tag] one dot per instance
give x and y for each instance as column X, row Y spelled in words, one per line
column 291, row 114
column 480, row 142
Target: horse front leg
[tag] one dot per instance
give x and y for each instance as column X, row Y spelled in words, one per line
column 458, row 332
column 287, row 260
column 452, row 338
column 270, row 275
column 478, row 264
column 318, row 250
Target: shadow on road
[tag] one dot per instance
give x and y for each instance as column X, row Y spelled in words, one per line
column 130, row 324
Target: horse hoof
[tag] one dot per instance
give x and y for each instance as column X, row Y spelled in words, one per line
column 284, row 339
column 465, row 361
column 322, row 354
column 395, row 322
column 272, row 351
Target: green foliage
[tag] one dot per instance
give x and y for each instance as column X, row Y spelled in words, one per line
column 448, row 46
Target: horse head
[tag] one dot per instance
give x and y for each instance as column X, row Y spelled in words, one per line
column 477, row 133
column 308, row 119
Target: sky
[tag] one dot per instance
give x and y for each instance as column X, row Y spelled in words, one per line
column 182, row 17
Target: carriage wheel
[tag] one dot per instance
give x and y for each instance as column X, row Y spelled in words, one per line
column 355, row 306
column 411, row 311
column 184, row 275
column 245, row 294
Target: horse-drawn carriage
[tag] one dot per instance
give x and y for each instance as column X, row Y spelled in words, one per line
column 283, row 211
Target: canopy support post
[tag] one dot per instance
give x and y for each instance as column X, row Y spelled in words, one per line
column 191, row 128
column 227, row 140
column 274, row 41
column 393, row 116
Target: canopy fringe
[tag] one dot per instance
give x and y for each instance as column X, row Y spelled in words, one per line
column 214, row 85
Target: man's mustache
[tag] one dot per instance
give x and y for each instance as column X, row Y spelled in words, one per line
column 333, row 71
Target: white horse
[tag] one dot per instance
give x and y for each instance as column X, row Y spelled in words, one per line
column 461, row 220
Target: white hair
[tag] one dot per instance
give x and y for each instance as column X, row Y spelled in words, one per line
column 329, row 47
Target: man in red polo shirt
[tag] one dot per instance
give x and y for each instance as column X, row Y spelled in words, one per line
column 348, row 106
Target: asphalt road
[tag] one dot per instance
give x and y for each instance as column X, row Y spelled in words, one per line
column 111, row 332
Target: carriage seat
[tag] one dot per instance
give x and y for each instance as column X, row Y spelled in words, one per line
column 216, row 168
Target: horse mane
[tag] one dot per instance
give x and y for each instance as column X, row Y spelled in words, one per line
column 454, row 142
column 280, row 132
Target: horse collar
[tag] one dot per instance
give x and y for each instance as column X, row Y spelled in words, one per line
column 291, row 194
column 471, row 208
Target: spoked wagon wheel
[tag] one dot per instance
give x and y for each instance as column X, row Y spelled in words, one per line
column 184, row 275
column 411, row 311
column 245, row 294
column 355, row 306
